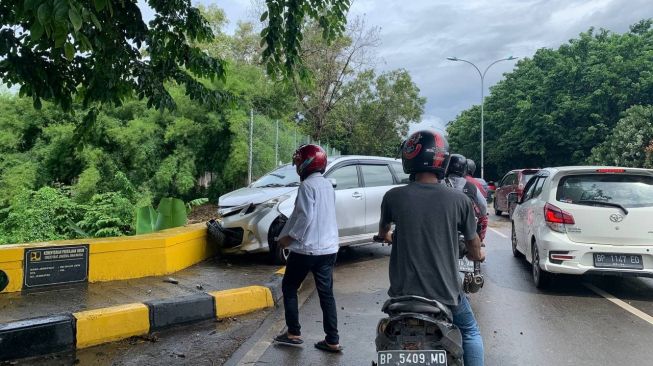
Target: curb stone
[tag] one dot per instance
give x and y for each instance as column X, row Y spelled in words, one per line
column 65, row 332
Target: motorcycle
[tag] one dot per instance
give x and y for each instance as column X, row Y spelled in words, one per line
column 472, row 277
column 417, row 331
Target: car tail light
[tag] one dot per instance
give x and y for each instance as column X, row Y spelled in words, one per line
column 561, row 257
column 610, row 170
column 556, row 218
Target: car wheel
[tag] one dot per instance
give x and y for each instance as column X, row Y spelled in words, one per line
column 277, row 254
column 496, row 211
column 513, row 238
column 541, row 278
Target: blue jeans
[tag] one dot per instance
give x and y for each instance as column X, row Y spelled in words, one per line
column 463, row 318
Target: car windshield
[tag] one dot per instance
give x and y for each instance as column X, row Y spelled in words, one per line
column 594, row 189
column 285, row 176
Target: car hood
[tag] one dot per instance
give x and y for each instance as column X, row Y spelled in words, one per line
column 252, row 195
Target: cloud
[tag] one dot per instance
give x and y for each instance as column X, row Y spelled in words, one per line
column 419, row 35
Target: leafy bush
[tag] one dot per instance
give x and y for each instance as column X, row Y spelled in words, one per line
column 40, row 215
column 108, row 214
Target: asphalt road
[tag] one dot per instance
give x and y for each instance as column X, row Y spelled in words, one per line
column 568, row 324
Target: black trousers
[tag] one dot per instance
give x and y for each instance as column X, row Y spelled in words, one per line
column 297, row 268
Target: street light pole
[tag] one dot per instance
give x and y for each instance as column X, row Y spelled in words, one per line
column 482, row 75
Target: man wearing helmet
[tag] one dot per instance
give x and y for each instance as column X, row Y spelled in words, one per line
column 469, row 175
column 456, row 177
column 427, row 218
column 311, row 234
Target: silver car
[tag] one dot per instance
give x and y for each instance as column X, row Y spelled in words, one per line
column 252, row 217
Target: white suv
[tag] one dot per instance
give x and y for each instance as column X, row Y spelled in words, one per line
column 252, row 217
column 577, row 220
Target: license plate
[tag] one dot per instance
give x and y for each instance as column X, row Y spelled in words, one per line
column 414, row 358
column 612, row 260
column 465, row 265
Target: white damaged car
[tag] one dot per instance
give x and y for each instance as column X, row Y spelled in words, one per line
column 251, row 218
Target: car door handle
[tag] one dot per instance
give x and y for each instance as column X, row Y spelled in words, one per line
column 357, row 195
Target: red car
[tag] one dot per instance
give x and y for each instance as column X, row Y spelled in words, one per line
column 513, row 181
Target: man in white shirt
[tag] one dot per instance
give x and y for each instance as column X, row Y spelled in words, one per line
column 311, row 234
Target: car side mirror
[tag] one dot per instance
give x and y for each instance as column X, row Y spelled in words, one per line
column 512, row 198
column 333, row 182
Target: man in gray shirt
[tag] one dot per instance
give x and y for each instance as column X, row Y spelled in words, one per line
column 311, row 234
column 427, row 218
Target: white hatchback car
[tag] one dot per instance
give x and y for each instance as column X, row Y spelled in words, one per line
column 252, row 217
column 578, row 220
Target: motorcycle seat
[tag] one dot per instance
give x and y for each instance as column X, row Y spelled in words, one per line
column 413, row 307
column 415, row 304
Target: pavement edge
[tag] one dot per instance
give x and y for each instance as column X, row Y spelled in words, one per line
column 69, row 331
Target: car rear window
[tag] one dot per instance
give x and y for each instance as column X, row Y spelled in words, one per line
column 627, row 190
column 526, row 175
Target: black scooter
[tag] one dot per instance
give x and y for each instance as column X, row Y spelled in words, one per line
column 417, row 331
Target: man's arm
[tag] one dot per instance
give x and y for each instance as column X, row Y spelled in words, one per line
column 303, row 215
column 467, row 227
column 385, row 223
column 474, row 250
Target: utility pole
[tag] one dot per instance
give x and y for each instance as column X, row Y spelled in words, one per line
column 276, row 147
column 251, row 144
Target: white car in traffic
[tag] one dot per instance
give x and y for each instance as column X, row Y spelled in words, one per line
column 586, row 220
column 252, row 217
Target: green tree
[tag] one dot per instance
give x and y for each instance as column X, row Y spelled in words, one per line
column 375, row 112
column 328, row 66
column 630, row 140
column 103, row 52
column 555, row 107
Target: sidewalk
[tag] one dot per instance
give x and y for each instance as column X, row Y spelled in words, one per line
column 212, row 275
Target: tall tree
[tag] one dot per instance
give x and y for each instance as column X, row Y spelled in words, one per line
column 59, row 50
column 630, row 141
column 375, row 113
column 555, row 107
column 328, row 67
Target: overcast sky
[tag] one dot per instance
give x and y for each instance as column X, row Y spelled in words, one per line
column 418, row 35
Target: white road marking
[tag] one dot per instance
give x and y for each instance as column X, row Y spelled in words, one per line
column 629, row 308
column 498, row 232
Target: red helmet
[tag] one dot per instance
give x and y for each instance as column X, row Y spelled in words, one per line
column 425, row 151
column 309, row 159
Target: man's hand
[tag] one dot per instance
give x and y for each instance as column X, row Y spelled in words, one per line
column 474, row 250
column 384, row 236
column 285, row 241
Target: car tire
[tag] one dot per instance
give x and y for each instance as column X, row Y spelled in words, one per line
column 277, row 255
column 541, row 278
column 496, row 211
column 513, row 238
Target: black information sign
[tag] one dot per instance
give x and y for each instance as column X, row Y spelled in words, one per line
column 55, row 265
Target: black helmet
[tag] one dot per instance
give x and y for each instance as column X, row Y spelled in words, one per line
column 425, row 151
column 457, row 165
column 471, row 167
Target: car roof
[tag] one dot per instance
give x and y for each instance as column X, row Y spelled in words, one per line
column 362, row 157
column 534, row 170
column 594, row 168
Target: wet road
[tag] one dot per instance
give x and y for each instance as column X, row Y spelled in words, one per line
column 568, row 324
